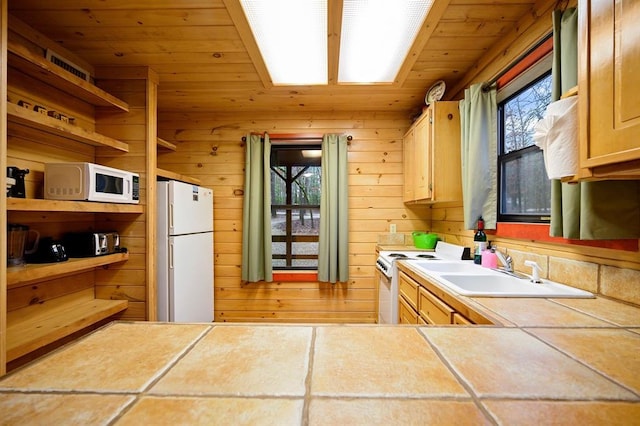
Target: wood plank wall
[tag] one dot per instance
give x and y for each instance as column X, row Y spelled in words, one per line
column 210, row 148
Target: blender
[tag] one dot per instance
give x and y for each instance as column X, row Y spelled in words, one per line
column 16, row 241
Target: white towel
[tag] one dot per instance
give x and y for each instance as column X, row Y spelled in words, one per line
column 557, row 135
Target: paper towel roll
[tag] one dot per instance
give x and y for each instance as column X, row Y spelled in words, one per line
column 557, row 135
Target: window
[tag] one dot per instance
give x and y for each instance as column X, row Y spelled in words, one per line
column 524, row 188
column 295, row 206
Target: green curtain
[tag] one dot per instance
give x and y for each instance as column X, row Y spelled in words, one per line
column 333, row 250
column 588, row 210
column 256, row 214
column 478, row 118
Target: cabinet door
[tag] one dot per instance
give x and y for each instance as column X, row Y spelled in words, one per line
column 408, row 158
column 409, row 289
column 434, row 310
column 446, row 162
column 460, row 320
column 608, row 89
column 406, row 313
column 423, row 157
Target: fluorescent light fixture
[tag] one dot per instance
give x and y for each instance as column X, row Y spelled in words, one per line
column 376, row 36
column 312, row 153
column 292, row 38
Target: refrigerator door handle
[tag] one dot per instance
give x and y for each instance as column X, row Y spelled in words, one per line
column 170, row 255
column 171, row 216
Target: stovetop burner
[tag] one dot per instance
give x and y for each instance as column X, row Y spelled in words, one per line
column 426, row 256
column 397, row 255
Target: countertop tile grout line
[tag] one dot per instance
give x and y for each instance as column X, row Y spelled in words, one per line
column 590, row 314
column 307, row 381
column 165, row 370
column 172, row 363
column 583, row 363
column 466, row 385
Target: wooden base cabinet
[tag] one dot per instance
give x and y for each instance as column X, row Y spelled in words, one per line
column 433, row 310
column 418, row 305
column 407, row 314
column 432, row 170
column 609, row 59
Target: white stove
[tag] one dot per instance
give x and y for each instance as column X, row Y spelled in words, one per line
column 388, row 282
column 386, row 259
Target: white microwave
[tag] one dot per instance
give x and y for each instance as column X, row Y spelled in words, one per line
column 90, row 182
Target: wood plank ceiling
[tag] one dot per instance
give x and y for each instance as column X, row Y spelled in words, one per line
column 204, row 59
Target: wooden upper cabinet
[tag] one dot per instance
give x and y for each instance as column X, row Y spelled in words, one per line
column 432, row 171
column 423, row 157
column 608, row 88
column 408, row 143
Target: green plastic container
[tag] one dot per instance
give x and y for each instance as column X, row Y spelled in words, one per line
column 424, row 240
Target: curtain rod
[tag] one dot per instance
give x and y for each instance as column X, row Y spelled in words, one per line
column 515, row 62
column 293, row 138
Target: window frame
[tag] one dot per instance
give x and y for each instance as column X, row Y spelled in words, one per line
column 289, row 238
column 519, row 83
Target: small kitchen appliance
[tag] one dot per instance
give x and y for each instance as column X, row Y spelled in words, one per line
column 16, row 176
column 17, row 237
column 48, row 251
column 90, row 182
column 88, row 244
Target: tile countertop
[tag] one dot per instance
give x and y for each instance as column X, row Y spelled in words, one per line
column 154, row 373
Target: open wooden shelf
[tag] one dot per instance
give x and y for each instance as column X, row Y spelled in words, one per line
column 17, row 115
column 38, row 67
column 166, row 145
column 38, row 325
column 22, row 275
column 166, row 174
column 40, row 205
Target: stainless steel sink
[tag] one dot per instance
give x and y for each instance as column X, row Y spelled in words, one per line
column 498, row 285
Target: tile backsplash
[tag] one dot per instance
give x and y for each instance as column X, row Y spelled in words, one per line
column 618, row 283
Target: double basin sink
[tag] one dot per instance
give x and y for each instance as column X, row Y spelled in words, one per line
column 469, row 279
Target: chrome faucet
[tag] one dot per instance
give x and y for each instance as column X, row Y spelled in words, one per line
column 507, row 262
column 535, row 271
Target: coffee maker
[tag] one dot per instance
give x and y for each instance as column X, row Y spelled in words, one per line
column 18, row 189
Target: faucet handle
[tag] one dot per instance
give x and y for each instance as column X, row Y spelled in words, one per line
column 535, row 271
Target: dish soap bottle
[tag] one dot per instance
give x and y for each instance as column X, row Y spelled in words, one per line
column 479, row 242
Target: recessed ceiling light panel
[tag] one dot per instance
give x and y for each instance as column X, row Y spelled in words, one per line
column 292, row 38
column 376, row 36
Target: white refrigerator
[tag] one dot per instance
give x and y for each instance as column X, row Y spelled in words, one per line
column 185, row 252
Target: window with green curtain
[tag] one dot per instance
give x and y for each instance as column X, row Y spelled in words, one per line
column 288, row 188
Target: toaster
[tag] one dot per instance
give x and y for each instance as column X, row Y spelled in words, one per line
column 88, row 244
